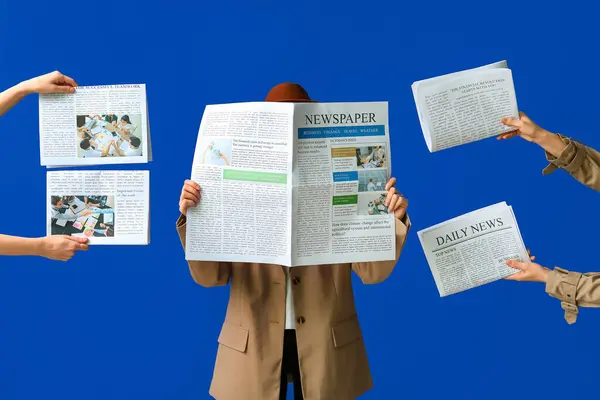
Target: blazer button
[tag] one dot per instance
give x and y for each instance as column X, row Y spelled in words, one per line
column 295, row 280
column 301, row 320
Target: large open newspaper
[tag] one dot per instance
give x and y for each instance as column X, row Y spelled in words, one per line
column 95, row 125
column 107, row 207
column 472, row 250
column 292, row 184
column 465, row 106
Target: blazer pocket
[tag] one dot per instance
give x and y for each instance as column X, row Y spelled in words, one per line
column 234, row 337
column 346, row 331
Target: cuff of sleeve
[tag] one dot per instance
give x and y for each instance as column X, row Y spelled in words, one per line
column 562, row 285
column 570, row 159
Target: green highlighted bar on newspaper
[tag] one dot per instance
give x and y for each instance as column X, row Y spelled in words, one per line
column 345, row 200
column 254, row 176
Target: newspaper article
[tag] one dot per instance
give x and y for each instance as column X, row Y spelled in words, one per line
column 107, row 207
column 472, row 250
column 465, row 106
column 300, row 184
column 342, row 166
column 95, row 125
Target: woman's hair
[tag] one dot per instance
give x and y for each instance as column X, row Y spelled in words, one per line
column 125, row 118
column 85, row 144
column 55, row 199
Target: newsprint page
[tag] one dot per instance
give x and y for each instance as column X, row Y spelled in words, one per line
column 465, row 106
column 472, row 250
column 300, row 184
column 95, row 125
column 107, row 207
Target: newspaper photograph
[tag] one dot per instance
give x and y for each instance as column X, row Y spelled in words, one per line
column 465, row 106
column 107, row 207
column 308, row 181
column 96, row 125
column 472, row 250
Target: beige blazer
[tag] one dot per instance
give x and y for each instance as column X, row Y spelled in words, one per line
column 331, row 351
column 574, row 289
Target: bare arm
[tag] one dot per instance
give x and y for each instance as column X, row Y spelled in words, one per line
column 54, row 82
column 52, row 247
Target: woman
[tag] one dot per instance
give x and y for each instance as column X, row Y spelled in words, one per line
column 583, row 163
column 52, row 247
column 297, row 324
column 125, row 127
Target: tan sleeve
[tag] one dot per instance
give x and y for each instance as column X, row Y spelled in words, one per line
column 376, row 272
column 574, row 290
column 205, row 273
column 582, row 162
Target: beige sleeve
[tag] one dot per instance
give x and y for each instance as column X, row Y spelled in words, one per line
column 376, row 272
column 205, row 273
column 582, row 162
column 574, row 290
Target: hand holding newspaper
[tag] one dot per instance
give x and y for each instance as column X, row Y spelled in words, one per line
column 472, row 250
column 292, row 184
column 465, row 106
column 95, row 125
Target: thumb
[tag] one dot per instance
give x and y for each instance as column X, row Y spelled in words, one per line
column 77, row 239
column 512, row 122
column 63, row 89
column 516, row 264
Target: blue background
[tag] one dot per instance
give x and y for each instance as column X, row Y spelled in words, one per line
column 129, row 323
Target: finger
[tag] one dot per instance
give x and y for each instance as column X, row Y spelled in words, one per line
column 524, row 116
column 532, row 258
column 63, row 89
column 186, row 204
column 189, row 190
column 69, row 81
column 513, row 277
column 516, row 264
column 76, row 239
column 401, row 208
column 390, row 194
column 83, row 247
column 394, row 201
column 512, row 122
column 390, row 183
column 192, row 183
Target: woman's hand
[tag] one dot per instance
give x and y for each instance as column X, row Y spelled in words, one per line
column 525, row 128
column 54, row 82
column 190, row 196
column 528, row 271
column 61, row 247
column 395, row 202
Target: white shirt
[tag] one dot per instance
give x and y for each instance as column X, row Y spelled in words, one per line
column 290, row 314
column 128, row 151
column 92, row 153
column 371, row 187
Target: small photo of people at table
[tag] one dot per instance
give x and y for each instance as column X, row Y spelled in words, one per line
column 83, row 215
column 109, row 135
column 370, row 157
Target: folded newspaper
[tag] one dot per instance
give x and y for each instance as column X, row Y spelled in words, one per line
column 465, row 106
column 107, row 207
column 292, row 184
column 96, row 125
column 472, row 250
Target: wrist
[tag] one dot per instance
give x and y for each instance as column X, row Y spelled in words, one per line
column 543, row 137
column 38, row 246
column 26, row 88
column 544, row 276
